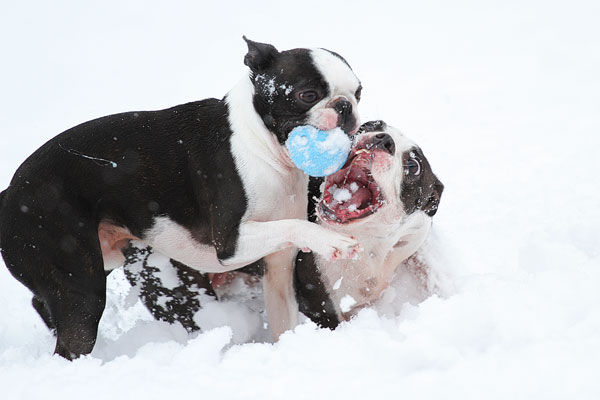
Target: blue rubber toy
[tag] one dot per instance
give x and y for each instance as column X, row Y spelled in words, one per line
column 317, row 152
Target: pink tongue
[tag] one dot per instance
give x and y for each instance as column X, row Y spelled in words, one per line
column 361, row 198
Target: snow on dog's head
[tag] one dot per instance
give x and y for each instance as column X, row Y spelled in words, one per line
column 298, row 87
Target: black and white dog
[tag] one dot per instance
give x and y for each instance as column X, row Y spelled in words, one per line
column 385, row 196
column 208, row 183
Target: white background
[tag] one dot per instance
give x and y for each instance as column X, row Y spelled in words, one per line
column 504, row 98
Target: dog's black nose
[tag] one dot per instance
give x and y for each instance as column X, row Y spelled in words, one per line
column 343, row 107
column 346, row 119
column 383, row 141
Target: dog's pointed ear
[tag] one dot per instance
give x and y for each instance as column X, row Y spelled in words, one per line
column 260, row 55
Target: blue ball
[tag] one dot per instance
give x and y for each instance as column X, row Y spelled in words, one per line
column 317, row 152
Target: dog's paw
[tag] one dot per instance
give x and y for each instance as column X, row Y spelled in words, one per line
column 331, row 245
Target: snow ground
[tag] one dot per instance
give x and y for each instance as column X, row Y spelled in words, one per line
column 504, row 98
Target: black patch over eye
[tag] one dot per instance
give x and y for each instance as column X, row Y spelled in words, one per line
column 309, row 96
column 358, row 93
column 412, row 167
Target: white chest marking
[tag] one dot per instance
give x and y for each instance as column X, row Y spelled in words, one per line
column 275, row 188
column 172, row 240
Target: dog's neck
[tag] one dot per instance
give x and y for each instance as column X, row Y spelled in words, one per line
column 366, row 276
column 250, row 133
column 275, row 188
column 380, row 237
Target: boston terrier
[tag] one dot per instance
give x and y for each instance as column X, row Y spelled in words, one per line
column 208, row 183
column 385, row 196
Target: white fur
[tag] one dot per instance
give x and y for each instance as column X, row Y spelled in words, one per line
column 113, row 260
column 337, row 74
column 342, row 85
column 278, row 287
column 171, row 239
column 274, row 186
column 388, row 238
column 256, row 240
column 274, row 222
column 365, row 277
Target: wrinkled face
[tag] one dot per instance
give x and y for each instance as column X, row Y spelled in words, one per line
column 303, row 87
column 386, row 176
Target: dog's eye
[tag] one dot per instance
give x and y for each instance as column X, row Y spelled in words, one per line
column 308, row 96
column 358, row 93
column 412, row 167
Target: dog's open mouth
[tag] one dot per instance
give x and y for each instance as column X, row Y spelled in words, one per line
column 351, row 193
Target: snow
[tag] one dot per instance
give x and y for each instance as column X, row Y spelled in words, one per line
column 300, row 141
column 341, row 195
column 168, row 277
column 267, row 85
column 336, row 142
column 337, row 283
column 346, row 303
column 287, row 88
column 502, row 96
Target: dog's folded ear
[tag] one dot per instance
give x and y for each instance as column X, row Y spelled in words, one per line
column 372, row 126
column 260, row 55
column 433, row 201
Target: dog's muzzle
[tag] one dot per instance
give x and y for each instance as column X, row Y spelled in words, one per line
column 346, row 118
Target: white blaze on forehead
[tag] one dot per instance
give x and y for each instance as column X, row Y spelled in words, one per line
column 402, row 143
column 335, row 71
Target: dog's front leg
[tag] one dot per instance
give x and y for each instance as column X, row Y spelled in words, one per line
column 260, row 239
column 278, row 287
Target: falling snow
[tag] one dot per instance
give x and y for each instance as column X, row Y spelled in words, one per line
column 503, row 99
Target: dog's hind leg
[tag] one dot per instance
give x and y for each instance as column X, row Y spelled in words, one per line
column 76, row 316
column 42, row 309
column 60, row 261
column 76, row 295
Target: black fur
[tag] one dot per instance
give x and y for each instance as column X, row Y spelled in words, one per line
column 184, row 301
column 423, row 190
column 181, row 299
column 260, row 55
column 311, row 294
column 128, row 169
column 2, row 195
column 372, row 126
column 276, row 101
